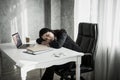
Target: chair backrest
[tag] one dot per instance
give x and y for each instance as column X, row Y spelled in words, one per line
column 87, row 40
column 87, row 37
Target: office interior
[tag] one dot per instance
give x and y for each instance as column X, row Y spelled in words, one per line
column 27, row 17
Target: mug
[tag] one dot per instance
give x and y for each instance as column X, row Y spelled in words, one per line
column 27, row 39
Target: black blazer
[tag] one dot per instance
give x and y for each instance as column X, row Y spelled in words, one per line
column 63, row 40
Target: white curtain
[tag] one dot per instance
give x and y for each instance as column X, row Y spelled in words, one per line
column 107, row 65
column 107, row 14
column 84, row 11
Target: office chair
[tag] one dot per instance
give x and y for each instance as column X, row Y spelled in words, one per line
column 87, row 40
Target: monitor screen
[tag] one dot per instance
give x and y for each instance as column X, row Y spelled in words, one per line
column 17, row 39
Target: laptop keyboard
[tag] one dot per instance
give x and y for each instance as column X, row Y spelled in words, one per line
column 24, row 46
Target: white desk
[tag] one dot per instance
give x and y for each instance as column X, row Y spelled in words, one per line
column 29, row 62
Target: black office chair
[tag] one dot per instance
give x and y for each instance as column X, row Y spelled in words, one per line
column 87, row 40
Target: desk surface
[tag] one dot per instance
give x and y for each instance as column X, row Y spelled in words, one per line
column 29, row 62
column 23, row 59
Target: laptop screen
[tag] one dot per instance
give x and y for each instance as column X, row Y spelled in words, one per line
column 17, row 40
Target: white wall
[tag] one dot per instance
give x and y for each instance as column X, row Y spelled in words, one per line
column 23, row 16
column 28, row 16
column 55, row 14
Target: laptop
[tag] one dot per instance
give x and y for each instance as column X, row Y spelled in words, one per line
column 18, row 42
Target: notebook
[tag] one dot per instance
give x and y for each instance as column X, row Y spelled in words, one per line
column 38, row 48
column 18, row 42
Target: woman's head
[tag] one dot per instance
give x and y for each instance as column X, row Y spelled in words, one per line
column 46, row 34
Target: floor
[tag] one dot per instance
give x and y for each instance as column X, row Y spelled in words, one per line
column 35, row 75
column 31, row 75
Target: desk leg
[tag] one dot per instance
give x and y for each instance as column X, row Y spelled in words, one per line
column 78, row 62
column 23, row 74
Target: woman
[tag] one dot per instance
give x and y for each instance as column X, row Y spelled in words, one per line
column 56, row 39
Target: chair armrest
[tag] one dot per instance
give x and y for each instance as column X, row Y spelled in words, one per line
column 87, row 59
column 85, row 54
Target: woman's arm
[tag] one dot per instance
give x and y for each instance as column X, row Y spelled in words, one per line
column 59, row 42
column 39, row 40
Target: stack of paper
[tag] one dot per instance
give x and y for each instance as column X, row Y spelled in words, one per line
column 38, row 49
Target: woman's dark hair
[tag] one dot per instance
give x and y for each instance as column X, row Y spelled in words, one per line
column 43, row 31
